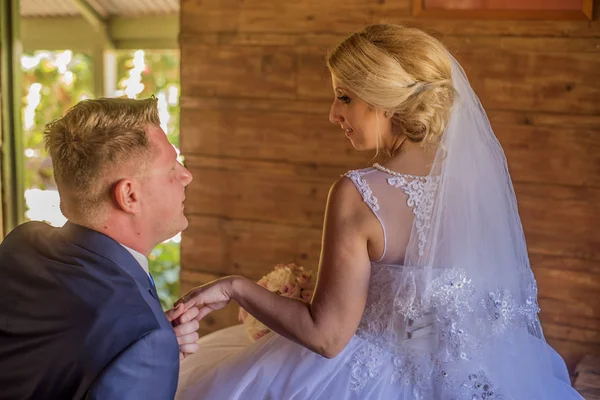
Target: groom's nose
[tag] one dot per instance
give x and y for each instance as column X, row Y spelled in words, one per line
column 186, row 176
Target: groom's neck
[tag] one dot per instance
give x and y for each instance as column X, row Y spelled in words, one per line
column 127, row 232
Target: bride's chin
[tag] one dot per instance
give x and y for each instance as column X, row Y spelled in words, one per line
column 362, row 147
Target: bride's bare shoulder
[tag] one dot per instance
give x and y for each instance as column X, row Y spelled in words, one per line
column 345, row 201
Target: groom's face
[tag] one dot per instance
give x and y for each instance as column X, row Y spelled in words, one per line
column 163, row 188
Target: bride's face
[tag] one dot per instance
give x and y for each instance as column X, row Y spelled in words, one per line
column 360, row 122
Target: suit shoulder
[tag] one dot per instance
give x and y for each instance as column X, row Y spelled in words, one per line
column 28, row 232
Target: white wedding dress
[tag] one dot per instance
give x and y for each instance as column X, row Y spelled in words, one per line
column 426, row 354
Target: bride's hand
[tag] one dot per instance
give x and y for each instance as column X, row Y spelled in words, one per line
column 207, row 298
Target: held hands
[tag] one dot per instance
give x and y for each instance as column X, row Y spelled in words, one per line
column 207, row 298
column 194, row 306
column 185, row 325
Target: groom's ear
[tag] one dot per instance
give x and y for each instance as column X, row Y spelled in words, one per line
column 126, row 193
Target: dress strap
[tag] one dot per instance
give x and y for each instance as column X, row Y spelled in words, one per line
column 357, row 177
column 364, row 189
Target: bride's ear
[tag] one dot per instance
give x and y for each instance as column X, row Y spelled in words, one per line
column 126, row 195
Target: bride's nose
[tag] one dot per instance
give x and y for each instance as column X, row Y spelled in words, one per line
column 334, row 116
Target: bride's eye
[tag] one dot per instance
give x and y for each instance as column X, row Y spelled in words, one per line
column 344, row 99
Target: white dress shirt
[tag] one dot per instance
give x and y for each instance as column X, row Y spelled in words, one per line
column 140, row 258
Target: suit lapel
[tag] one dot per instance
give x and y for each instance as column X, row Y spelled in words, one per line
column 152, row 289
column 108, row 248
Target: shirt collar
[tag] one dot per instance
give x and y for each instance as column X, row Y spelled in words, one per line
column 140, row 258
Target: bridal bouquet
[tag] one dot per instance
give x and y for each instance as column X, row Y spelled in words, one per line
column 286, row 280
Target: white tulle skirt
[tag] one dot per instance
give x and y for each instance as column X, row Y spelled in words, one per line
column 229, row 366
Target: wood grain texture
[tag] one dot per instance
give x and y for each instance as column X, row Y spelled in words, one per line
column 255, row 133
column 587, row 379
column 238, row 71
column 326, row 40
column 207, row 16
column 223, row 247
column 503, row 11
column 569, row 291
column 560, row 220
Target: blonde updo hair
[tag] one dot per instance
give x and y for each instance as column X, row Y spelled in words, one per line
column 402, row 71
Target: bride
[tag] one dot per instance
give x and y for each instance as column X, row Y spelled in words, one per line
column 424, row 288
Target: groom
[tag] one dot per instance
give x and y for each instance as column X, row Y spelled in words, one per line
column 79, row 312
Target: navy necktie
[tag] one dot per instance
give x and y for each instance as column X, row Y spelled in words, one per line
column 153, row 287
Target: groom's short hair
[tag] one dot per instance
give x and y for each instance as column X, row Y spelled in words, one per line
column 93, row 137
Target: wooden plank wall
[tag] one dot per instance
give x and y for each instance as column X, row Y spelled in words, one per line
column 255, row 134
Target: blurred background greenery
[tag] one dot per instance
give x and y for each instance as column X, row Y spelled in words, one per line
column 54, row 81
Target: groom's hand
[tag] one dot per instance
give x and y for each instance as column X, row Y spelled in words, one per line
column 185, row 326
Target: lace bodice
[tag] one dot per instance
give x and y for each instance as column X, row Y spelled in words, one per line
column 423, row 325
column 388, row 276
column 393, row 189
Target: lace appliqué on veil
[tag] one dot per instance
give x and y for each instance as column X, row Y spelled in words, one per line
column 503, row 310
column 478, row 386
column 452, row 296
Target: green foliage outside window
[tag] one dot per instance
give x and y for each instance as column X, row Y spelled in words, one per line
column 49, row 90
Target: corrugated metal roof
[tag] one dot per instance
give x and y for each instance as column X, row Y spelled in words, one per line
column 106, row 8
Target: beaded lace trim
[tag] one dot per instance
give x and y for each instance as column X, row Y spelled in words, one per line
column 364, row 189
column 421, row 193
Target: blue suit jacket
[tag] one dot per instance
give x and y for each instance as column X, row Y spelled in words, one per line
column 79, row 318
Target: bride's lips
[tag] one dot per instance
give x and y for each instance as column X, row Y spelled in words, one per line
column 348, row 131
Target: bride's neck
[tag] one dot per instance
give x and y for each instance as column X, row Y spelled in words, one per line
column 409, row 157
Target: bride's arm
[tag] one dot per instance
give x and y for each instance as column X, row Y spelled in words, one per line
column 328, row 323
